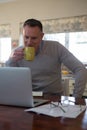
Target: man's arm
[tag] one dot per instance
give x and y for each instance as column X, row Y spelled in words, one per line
column 78, row 69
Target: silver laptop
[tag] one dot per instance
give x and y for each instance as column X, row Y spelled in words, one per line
column 16, row 87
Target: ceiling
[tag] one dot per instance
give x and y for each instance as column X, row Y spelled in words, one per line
column 5, row 1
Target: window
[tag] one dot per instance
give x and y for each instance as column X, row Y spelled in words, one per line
column 75, row 42
column 78, row 45
column 5, row 49
column 5, row 42
column 56, row 37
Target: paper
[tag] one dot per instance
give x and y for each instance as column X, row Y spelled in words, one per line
column 37, row 93
column 70, row 111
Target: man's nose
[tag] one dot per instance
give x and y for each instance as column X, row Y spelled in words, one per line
column 29, row 43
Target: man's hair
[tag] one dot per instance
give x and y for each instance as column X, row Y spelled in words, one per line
column 33, row 23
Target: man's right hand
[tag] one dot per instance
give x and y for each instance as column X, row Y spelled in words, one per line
column 17, row 54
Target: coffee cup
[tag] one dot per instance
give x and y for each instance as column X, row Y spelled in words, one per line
column 29, row 53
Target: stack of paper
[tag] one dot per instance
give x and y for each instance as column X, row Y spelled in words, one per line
column 70, row 111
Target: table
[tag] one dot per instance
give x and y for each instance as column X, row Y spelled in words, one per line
column 15, row 118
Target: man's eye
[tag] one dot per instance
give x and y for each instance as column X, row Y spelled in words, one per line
column 27, row 37
column 34, row 38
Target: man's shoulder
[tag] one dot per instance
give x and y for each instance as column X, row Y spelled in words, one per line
column 51, row 43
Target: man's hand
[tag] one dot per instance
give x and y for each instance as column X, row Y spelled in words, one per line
column 17, row 54
column 80, row 101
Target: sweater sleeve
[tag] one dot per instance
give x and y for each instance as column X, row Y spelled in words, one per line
column 11, row 63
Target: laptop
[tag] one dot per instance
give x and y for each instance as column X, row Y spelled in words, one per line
column 16, row 87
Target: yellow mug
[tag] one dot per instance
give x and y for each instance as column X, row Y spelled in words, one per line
column 29, row 53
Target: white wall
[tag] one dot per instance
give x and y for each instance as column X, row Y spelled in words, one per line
column 19, row 10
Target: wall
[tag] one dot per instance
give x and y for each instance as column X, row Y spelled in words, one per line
column 19, row 10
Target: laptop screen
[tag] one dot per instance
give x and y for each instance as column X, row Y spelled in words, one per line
column 16, row 86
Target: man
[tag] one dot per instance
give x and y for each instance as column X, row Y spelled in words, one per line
column 46, row 67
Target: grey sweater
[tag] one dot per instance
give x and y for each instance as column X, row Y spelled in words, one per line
column 46, row 68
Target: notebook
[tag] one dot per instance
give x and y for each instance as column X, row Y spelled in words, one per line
column 16, row 87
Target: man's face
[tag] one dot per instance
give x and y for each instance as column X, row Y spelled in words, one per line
column 32, row 36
